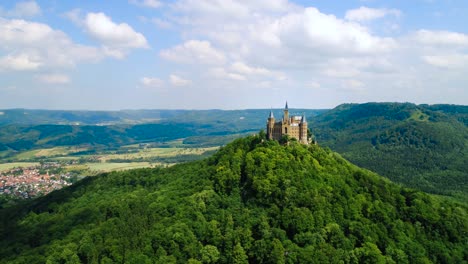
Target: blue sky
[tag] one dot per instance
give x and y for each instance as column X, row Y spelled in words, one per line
column 231, row 54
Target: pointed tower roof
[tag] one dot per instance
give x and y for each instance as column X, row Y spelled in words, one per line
column 303, row 120
column 271, row 114
column 286, row 107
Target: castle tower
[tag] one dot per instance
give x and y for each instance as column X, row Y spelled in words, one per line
column 303, row 130
column 270, row 125
column 286, row 114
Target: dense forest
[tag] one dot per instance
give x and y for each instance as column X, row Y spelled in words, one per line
column 254, row 201
column 421, row 146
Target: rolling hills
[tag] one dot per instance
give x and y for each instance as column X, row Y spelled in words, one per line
column 421, row 146
column 254, row 201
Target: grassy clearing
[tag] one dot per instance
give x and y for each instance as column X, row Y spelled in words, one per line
column 157, row 152
column 26, row 155
column 9, row 166
column 49, row 152
column 107, row 167
column 419, row 116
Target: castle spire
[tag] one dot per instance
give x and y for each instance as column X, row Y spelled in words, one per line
column 271, row 114
column 303, row 120
column 286, row 107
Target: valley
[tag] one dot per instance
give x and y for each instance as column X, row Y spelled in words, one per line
column 34, row 173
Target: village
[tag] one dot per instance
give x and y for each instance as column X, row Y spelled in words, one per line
column 33, row 181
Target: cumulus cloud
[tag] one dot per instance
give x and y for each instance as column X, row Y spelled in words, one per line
column 54, row 78
column 116, row 38
column 429, row 37
column 146, row 3
column 363, row 13
column 23, row 9
column 30, row 46
column 194, row 52
column 178, row 81
column 20, row 62
column 152, row 82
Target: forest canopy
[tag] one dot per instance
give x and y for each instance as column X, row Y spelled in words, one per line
column 254, row 201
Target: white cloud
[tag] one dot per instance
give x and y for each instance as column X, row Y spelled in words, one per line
column 113, row 35
column 116, row 39
column 221, row 73
column 31, row 46
column 363, row 13
column 429, row 37
column 194, row 52
column 23, row 9
column 328, row 32
column 146, row 3
column 54, row 78
column 20, row 62
column 151, row 82
column 242, row 68
column 178, row 81
column 74, row 16
column 447, row 61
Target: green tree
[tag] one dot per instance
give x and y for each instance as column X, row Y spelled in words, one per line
column 209, row 254
column 239, row 256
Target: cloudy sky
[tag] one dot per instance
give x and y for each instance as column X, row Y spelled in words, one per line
column 231, row 54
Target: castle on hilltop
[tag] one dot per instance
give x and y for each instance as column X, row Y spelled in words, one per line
column 293, row 126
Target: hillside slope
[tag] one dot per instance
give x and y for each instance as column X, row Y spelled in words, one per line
column 421, row 146
column 252, row 202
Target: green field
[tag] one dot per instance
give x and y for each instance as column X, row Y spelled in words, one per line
column 9, row 166
column 105, row 161
column 107, row 166
column 156, row 152
column 47, row 152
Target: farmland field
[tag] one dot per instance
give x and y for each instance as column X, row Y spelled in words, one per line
column 107, row 166
column 9, row 166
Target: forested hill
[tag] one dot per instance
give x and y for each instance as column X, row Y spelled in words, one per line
column 422, row 146
column 252, row 202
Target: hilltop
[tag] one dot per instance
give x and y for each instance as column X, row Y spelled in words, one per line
column 253, row 201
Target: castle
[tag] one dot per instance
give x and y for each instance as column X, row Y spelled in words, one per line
column 293, row 126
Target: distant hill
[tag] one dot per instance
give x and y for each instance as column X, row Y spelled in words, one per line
column 252, row 202
column 422, row 146
column 252, row 118
column 30, row 129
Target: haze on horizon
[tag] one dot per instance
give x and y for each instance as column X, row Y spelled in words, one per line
column 231, row 54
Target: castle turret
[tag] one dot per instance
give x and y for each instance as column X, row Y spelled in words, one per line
column 286, row 114
column 270, row 125
column 303, row 130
